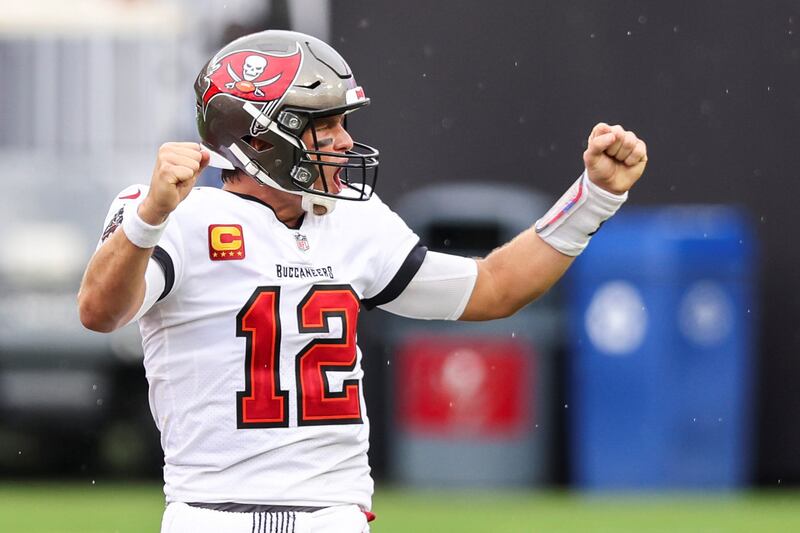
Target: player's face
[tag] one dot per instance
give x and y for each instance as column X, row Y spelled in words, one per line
column 331, row 137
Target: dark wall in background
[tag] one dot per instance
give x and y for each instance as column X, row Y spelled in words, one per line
column 508, row 91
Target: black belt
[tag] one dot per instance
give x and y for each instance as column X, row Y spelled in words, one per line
column 230, row 507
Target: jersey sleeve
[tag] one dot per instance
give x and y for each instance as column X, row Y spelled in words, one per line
column 440, row 289
column 155, row 283
column 165, row 264
column 398, row 255
column 124, row 200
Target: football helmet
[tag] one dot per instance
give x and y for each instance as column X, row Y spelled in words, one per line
column 271, row 86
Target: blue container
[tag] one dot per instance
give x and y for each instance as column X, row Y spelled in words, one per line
column 662, row 321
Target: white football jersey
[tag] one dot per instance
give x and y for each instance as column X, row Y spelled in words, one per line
column 250, row 353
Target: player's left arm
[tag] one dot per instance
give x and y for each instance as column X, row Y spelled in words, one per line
column 526, row 267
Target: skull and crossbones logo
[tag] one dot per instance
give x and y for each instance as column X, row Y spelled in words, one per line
column 252, row 68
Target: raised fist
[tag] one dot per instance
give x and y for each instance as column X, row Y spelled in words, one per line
column 177, row 166
column 615, row 158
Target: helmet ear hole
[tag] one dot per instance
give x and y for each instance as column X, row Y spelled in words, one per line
column 259, row 145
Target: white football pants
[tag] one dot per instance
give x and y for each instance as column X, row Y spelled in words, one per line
column 183, row 518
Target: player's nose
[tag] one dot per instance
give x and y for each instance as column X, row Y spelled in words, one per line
column 343, row 142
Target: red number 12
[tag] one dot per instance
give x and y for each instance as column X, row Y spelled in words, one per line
column 263, row 403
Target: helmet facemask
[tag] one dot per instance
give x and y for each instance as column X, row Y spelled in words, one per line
column 358, row 172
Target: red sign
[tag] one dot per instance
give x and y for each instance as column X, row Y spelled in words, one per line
column 462, row 386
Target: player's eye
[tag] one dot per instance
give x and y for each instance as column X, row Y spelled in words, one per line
column 332, row 122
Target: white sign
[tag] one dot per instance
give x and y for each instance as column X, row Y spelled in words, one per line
column 616, row 320
column 705, row 315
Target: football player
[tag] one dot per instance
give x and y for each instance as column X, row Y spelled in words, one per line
column 247, row 297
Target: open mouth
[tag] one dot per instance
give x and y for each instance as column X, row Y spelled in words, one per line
column 337, row 181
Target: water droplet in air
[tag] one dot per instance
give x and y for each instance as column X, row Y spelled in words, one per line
column 642, row 19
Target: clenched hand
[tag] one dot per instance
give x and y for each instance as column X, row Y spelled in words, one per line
column 177, row 166
column 615, row 158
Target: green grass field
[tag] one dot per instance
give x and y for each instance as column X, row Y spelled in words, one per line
column 109, row 508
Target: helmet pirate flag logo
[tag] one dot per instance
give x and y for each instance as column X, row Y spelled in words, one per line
column 252, row 76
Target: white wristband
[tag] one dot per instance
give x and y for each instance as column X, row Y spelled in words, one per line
column 577, row 215
column 139, row 232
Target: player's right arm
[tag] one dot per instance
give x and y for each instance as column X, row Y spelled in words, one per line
column 113, row 287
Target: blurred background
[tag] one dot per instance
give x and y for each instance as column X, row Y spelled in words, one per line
column 665, row 360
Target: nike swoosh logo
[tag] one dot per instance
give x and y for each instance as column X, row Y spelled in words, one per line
column 133, row 196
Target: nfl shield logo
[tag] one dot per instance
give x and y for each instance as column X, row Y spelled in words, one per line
column 302, row 241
